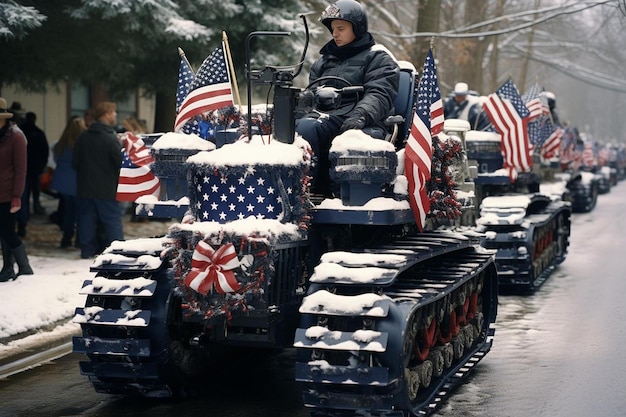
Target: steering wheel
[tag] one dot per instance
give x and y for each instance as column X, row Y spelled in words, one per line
column 329, row 98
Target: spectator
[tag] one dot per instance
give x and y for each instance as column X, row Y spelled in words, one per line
column 18, row 113
column 97, row 160
column 349, row 55
column 551, row 98
column 465, row 106
column 64, row 179
column 37, row 154
column 131, row 124
column 88, row 117
column 12, row 179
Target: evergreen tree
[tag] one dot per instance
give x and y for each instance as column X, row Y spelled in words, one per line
column 126, row 45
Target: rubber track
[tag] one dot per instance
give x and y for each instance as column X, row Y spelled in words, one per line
column 449, row 265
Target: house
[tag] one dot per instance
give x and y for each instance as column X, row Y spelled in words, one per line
column 61, row 101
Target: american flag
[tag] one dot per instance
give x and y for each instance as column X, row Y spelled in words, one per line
column 210, row 90
column 509, row 115
column 536, row 103
column 552, row 143
column 568, row 145
column 603, row 157
column 224, row 198
column 418, row 149
column 136, row 177
column 588, row 156
column 186, row 77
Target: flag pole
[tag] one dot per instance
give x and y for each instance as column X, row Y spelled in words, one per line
column 232, row 69
column 183, row 56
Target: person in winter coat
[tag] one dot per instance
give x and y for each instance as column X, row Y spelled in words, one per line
column 12, row 180
column 37, row 153
column 97, row 160
column 463, row 105
column 349, row 55
column 64, row 179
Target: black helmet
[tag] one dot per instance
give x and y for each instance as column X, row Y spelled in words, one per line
column 349, row 10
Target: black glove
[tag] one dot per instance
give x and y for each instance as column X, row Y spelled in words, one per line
column 353, row 122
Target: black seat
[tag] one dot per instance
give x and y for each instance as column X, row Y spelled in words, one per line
column 404, row 105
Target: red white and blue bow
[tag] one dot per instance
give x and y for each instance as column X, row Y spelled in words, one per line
column 213, row 268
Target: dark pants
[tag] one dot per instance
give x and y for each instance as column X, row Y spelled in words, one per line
column 320, row 132
column 91, row 213
column 7, row 226
column 69, row 216
column 31, row 186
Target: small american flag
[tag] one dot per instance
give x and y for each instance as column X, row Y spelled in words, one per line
column 536, row 103
column 136, row 177
column 210, row 90
column 603, row 157
column 509, row 115
column 568, row 146
column 428, row 122
column 552, row 143
column 539, row 125
column 186, row 78
column 588, row 156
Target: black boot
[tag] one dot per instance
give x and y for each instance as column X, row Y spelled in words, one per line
column 66, row 241
column 19, row 254
column 7, row 273
column 39, row 209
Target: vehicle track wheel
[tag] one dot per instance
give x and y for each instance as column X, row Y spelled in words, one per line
column 473, row 306
column 412, row 383
column 425, row 371
column 190, row 361
column 425, row 340
column 449, row 328
column 448, row 355
column 436, row 358
column 477, row 324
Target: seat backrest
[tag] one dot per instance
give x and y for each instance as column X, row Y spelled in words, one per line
column 405, row 100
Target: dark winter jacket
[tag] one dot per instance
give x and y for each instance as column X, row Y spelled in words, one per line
column 12, row 162
column 38, row 149
column 97, row 161
column 469, row 109
column 358, row 63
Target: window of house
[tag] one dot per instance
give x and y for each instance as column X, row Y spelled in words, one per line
column 127, row 107
column 80, row 102
column 80, row 98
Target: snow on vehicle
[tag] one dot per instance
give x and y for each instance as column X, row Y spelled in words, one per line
column 385, row 320
column 529, row 228
column 607, row 177
column 584, row 190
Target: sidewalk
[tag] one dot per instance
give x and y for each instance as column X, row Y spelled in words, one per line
column 36, row 310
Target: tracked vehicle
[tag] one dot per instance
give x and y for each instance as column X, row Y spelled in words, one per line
column 385, row 320
column 583, row 189
column 529, row 229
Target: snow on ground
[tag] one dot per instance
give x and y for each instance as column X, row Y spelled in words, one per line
column 37, row 308
column 43, row 299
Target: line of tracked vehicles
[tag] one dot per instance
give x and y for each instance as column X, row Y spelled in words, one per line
column 385, row 320
column 526, row 220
